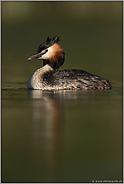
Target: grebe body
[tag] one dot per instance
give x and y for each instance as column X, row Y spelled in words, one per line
column 50, row 78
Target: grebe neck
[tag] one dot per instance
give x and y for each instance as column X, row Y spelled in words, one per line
column 42, row 76
column 37, row 81
column 56, row 61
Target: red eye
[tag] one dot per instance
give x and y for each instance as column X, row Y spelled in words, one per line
column 46, row 50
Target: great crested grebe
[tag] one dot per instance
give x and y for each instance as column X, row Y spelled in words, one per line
column 50, row 78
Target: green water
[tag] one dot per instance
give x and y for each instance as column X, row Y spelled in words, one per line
column 66, row 136
column 61, row 136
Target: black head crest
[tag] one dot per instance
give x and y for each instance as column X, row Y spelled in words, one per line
column 48, row 43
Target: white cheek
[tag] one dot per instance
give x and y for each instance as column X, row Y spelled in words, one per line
column 47, row 55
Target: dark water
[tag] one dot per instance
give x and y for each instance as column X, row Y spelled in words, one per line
column 61, row 136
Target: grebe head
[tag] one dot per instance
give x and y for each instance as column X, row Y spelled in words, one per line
column 51, row 53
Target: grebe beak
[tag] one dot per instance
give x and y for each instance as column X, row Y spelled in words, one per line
column 37, row 55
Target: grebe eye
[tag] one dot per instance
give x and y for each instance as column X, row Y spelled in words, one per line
column 46, row 50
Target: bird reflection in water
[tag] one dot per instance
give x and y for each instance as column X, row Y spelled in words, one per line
column 46, row 113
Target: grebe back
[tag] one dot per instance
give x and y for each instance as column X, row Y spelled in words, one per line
column 50, row 78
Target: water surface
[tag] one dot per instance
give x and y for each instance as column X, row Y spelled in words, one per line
column 61, row 136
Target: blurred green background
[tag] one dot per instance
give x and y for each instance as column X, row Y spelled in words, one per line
column 61, row 136
column 90, row 33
